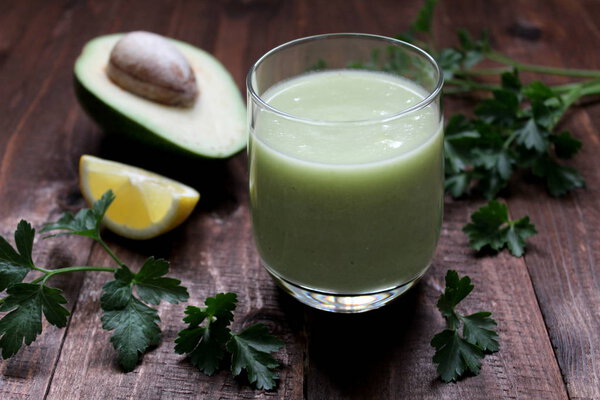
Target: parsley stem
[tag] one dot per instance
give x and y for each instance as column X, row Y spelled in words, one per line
column 510, row 139
column 461, row 85
column 591, row 89
column 110, row 252
column 578, row 91
column 570, row 86
column 52, row 272
column 44, row 270
column 570, row 97
column 81, row 268
column 587, row 88
column 471, row 85
column 578, row 73
column 456, row 90
column 484, row 71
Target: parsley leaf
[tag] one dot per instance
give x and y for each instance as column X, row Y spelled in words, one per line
column 124, row 301
column 458, row 184
column 11, row 274
column 538, row 91
column 532, row 136
column 86, row 222
column 135, row 324
column 15, row 264
column 494, row 166
column 450, row 61
column 501, row 110
column 454, row 61
column 250, row 350
column 456, row 354
column 460, row 135
column 560, row 179
column 491, row 226
column 473, row 50
column 565, row 145
column 135, row 328
column 484, row 152
column 425, row 17
column 207, row 345
column 117, row 293
column 521, row 116
column 479, row 330
column 24, row 236
column 26, row 303
column 456, row 290
column 152, row 286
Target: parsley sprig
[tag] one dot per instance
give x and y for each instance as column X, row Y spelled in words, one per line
column 129, row 315
column 458, row 354
column 504, row 137
column 514, row 132
column 516, row 128
column 208, row 338
column 492, row 227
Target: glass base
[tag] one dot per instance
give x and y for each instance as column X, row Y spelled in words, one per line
column 341, row 303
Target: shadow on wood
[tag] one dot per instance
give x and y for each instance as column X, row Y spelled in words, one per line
column 347, row 351
column 213, row 178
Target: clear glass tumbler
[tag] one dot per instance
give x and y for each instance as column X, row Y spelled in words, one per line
column 346, row 167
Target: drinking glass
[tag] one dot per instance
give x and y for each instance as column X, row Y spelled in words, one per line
column 345, row 167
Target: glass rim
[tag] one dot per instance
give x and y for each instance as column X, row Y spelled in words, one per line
column 432, row 94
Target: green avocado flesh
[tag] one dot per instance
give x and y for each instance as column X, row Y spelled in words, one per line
column 214, row 127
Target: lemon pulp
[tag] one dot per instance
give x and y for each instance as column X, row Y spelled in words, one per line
column 146, row 204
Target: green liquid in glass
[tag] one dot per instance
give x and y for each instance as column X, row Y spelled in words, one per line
column 346, row 207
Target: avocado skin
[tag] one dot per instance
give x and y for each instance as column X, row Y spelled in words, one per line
column 114, row 122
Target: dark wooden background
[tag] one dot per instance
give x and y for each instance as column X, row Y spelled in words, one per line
column 547, row 303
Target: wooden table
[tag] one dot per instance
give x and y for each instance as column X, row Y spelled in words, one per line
column 547, row 303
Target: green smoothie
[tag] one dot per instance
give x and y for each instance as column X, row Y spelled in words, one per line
column 346, row 194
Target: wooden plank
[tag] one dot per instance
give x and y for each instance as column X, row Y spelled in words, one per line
column 562, row 260
column 326, row 356
column 38, row 174
column 386, row 354
column 393, row 359
column 212, row 252
column 35, row 114
column 220, row 259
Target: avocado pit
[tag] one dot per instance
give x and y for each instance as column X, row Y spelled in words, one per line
column 148, row 65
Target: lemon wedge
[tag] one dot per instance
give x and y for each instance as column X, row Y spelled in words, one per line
column 146, row 204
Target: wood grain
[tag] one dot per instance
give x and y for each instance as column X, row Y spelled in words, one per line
column 36, row 110
column 562, row 260
column 546, row 303
column 390, row 354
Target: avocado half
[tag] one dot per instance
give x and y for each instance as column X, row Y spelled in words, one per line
column 214, row 127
